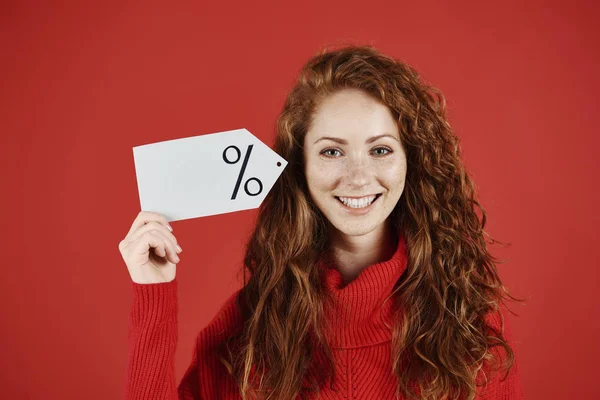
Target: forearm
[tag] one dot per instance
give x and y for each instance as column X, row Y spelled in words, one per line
column 152, row 342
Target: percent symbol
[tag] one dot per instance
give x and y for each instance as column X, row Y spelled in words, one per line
column 241, row 174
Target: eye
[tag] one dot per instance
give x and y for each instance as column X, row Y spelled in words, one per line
column 327, row 152
column 387, row 149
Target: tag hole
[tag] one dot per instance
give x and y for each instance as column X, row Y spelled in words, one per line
column 278, row 164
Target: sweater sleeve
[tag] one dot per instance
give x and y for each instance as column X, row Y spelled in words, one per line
column 511, row 387
column 152, row 341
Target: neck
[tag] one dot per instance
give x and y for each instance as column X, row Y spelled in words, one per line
column 355, row 253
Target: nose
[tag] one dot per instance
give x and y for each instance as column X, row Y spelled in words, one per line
column 358, row 172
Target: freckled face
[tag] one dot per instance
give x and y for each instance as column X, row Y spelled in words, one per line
column 343, row 161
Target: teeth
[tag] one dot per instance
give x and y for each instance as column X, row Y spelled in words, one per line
column 357, row 203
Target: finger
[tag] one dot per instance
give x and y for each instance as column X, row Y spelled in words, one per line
column 153, row 226
column 149, row 242
column 145, row 217
column 168, row 250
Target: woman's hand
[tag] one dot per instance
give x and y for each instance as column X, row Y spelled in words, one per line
column 150, row 249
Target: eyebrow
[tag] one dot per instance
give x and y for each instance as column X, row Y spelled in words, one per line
column 343, row 141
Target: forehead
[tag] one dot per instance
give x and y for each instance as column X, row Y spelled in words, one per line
column 351, row 112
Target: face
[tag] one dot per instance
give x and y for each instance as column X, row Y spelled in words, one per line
column 355, row 175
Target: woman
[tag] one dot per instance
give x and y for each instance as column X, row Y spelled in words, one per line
column 369, row 273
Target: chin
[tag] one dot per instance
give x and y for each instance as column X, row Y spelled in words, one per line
column 356, row 229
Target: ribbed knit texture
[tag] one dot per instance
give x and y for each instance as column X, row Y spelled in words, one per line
column 360, row 340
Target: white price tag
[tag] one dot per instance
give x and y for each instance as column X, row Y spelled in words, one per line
column 205, row 175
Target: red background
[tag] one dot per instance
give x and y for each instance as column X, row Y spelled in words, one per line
column 83, row 84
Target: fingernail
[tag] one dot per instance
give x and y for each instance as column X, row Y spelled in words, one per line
column 179, row 249
column 169, row 226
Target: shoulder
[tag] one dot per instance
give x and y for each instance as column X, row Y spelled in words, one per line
column 502, row 371
column 207, row 377
column 224, row 323
column 498, row 321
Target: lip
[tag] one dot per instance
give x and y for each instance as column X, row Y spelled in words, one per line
column 358, row 211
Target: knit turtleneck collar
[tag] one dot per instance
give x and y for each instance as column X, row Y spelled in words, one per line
column 355, row 313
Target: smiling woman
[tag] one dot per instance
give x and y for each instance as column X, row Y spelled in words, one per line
column 370, row 276
column 357, row 184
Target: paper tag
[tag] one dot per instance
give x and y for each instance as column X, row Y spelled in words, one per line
column 205, row 175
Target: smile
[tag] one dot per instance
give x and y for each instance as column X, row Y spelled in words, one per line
column 358, row 203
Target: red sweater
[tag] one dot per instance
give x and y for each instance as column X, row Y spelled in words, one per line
column 360, row 342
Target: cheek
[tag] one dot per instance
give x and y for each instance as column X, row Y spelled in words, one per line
column 394, row 176
column 321, row 177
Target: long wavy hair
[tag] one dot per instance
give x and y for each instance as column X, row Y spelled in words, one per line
column 451, row 284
